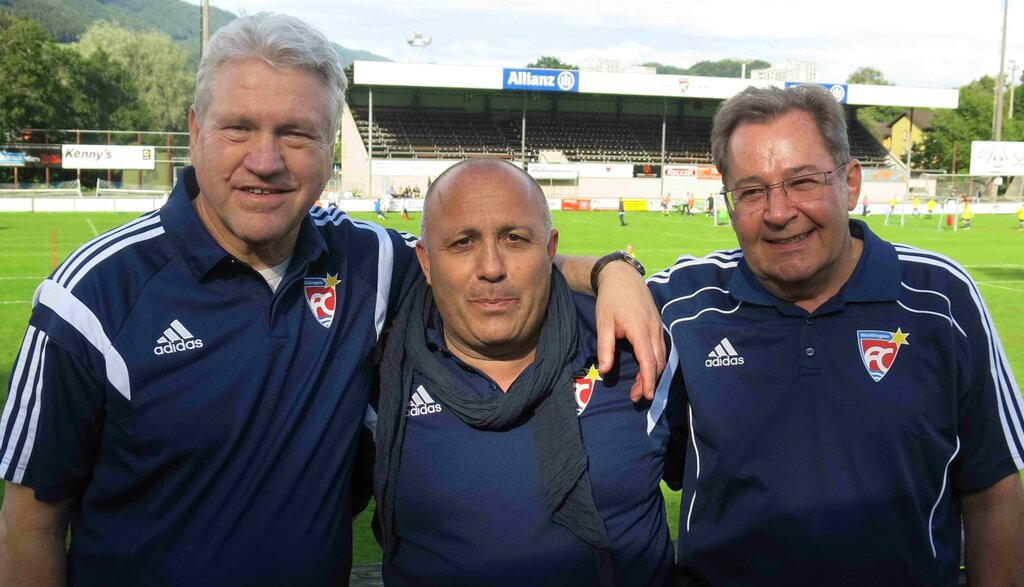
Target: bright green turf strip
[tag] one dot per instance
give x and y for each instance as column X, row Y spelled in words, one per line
column 993, row 251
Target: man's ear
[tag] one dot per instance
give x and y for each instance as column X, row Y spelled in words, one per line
column 553, row 245
column 193, row 129
column 853, row 183
column 424, row 259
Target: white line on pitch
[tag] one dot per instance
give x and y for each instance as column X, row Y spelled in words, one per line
column 994, row 266
column 92, row 227
column 15, row 301
column 23, row 278
column 990, row 284
column 987, row 282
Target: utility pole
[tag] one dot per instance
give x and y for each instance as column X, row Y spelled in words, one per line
column 1013, row 84
column 204, row 25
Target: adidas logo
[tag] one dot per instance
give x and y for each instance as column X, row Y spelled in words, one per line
column 422, row 404
column 176, row 338
column 724, row 355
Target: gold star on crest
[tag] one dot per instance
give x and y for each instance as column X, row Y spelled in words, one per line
column 332, row 280
column 593, row 374
column 900, row 338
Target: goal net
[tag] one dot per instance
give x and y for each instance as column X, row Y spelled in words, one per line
column 57, row 189
column 974, row 189
column 113, row 189
column 720, row 212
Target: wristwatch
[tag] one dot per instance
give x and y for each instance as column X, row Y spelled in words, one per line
column 616, row 256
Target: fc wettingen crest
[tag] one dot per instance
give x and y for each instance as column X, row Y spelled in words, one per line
column 320, row 296
column 583, row 385
column 878, row 350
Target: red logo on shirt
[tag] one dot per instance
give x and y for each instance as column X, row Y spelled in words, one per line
column 584, row 387
column 320, row 296
column 878, row 350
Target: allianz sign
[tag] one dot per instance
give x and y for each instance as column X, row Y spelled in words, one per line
column 540, row 80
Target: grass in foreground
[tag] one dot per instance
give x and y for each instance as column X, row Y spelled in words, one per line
column 993, row 252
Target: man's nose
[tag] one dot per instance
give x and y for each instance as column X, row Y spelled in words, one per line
column 492, row 263
column 778, row 209
column 264, row 157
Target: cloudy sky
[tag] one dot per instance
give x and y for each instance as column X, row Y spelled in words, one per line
column 927, row 43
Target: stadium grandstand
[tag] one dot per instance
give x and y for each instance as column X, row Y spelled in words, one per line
column 584, row 133
column 453, row 133
column 586, row 136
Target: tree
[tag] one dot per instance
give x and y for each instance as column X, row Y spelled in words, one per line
column 971, row 121
column 719, row 69
column 30, row 95
column 666, row 69
column 868, row 76
column 874, row 118
column 61, row 19
column 158, row 67
column 46, row 85
column 725, row 68
column 550, row 62
column 107, row 95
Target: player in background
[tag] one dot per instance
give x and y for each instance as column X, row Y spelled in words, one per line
column 966, row 217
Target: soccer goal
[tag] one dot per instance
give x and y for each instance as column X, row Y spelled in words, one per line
column 721, row 213
column 58, row 189
column 975, row 189
column 113, row 189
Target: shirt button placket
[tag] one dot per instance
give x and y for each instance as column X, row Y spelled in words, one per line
column 808, row 363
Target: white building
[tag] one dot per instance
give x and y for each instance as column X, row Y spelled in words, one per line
column 787, row 71
column 612, row 66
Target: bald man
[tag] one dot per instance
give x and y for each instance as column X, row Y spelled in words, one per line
column 503, row 457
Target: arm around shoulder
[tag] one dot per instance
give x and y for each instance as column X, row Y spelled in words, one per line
column 625, row 309
column 994, row 533
column 32, row 538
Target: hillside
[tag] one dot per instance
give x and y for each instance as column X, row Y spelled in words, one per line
column 66, row 20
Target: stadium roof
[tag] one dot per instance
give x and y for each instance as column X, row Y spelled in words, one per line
column 419, row 75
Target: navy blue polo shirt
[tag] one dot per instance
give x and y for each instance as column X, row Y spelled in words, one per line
column 470, row 508
column 206, row 425
column 832, row 447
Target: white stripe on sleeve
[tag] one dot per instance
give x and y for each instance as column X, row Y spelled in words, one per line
column 81, row 318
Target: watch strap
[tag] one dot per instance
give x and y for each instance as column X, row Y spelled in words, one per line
column 615, row 256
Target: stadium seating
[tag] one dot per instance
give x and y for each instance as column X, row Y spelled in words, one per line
column 596, row 137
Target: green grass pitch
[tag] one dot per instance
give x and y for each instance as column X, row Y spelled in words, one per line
column 993, row 252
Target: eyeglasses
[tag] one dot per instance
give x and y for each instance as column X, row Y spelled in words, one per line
column 802, row 188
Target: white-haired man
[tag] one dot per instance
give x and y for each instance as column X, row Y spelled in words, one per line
column 192, row 385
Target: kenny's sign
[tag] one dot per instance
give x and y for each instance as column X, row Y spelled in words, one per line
column 107, row 157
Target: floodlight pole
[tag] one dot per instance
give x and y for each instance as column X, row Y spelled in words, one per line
column 369, row 145
column 997, row 115
column 743, row 67
column 522, row 134
column 664, row 114
column 418, row 41
column 910, row 147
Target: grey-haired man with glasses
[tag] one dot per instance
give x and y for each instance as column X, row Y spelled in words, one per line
column 846, row 403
